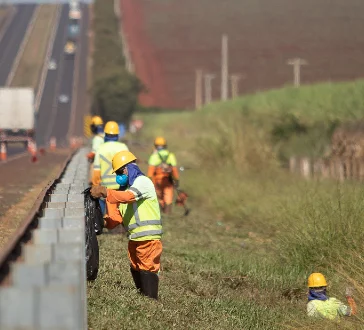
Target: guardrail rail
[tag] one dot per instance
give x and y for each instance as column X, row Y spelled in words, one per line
column 45, row 289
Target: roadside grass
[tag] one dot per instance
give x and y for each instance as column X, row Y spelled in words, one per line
column 32, row 61
column 299, row 121
column 241, row 259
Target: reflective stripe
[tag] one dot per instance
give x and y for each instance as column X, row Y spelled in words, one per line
column 138, row 222
column 139, row 194
column 107, row 162
column 144, row 223
column 97, row 167
column 146, row 233
column 107, row 176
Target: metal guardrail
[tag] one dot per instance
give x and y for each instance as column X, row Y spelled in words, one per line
column 46, row 288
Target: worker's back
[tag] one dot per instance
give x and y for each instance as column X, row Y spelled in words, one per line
column 97, row 141
column 161, row 164
column 331, row 308
column 103, row 158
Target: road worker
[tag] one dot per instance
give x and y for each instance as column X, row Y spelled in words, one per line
column 98, row 130
column 102, row 171
column 320, row 305
column 164, row 173
column 135, row 205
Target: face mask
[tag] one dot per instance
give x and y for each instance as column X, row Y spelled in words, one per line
column 122, row 179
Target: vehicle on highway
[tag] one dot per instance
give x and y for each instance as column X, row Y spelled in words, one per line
column 17, row 113
column 73, row 30
column 52, row 65
column 63, row 98
column 70, row 47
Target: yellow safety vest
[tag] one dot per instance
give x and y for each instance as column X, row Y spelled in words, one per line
column 102, row 162
column 142, row 219
column 157, row 158
column 97, row 141
column 331, row 308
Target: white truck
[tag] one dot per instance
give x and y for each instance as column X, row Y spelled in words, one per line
column 17, row 113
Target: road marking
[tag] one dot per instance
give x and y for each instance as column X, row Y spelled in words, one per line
column 9, row 19
column 57, row 88
column 76, row 75
column 46, row 60
column 22, row 46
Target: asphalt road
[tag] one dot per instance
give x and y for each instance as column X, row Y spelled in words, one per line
column 12, row 39
column 82, row 94
column 9, row 47
column 53, row 119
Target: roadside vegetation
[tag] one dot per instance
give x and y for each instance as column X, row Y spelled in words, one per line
column 115, row 91
column 242, row 257
column 31, row 62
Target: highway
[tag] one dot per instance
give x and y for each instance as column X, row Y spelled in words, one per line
column 53, row 118
column 12, row 39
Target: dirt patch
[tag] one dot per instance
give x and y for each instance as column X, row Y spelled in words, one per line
column 20, row 184
column 144, row 55
column 263, row 35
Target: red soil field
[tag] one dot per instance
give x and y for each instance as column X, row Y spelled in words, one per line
column 171, row 39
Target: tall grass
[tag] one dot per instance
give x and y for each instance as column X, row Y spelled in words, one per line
column 242, row 258
column 288, row 227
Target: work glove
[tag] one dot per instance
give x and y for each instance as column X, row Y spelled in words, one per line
column 91, row 156
column 98, row 191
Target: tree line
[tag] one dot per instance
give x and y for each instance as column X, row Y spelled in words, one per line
column 115, row 91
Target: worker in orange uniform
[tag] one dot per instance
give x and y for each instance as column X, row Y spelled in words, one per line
column 135, row 205
column 164, row 173
column 321, row 306
column 102, row 171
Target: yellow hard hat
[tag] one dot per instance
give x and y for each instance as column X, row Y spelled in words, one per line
column 112, row 128
column 316, row 280
column 121, row 159
column 160, row 141
column 96, row 120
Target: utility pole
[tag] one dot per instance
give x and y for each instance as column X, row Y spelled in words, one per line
column 297, row 63
column 208, row 87
column 224, row 68
column 234, row 79
column 198, row 89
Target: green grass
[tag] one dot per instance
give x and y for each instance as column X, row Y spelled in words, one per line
column 255, row 233
column 32, row 61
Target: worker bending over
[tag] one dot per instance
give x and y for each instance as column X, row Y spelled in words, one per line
column 135, row 205
column 164, row 173
column 102, row 171
column 320, row 305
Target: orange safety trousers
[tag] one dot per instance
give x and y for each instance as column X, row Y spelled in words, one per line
column 145, row 255
column 164, row 190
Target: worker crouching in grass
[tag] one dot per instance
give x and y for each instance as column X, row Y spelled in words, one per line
column 321, row 306
column 135, row 205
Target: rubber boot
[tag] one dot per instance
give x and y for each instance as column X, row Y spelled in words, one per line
column 149, row 284
column 168, row 209
column 136, row 278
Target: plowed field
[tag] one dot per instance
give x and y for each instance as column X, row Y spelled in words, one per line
column 171, row 39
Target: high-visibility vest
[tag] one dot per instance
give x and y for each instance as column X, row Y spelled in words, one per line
column 103, row 163
column 97, row 141
column 160, row 159
column 331, row 308
column 142, row 219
